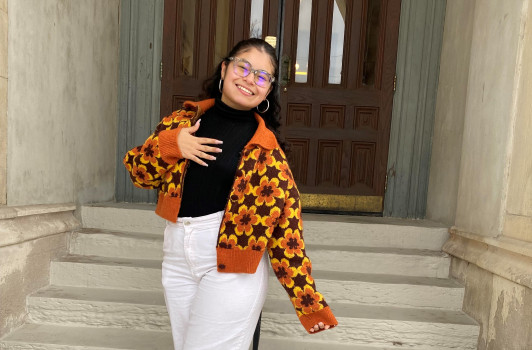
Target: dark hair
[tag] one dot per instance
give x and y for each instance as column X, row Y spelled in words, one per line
column 272, row 115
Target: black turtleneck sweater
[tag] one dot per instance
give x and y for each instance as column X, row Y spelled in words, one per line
column 206, row 189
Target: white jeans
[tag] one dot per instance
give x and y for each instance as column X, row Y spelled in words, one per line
column 208, row 309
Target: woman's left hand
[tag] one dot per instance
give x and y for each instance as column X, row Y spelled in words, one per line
column 318, row 327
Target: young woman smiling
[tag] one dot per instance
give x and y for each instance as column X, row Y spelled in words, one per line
column 228, row 195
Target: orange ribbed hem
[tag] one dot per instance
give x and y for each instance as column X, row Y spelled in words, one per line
column 170, row 152
column 238, row 261
column 324, row 315
column 168, row 207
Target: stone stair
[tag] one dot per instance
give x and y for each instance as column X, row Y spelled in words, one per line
column 385, row 279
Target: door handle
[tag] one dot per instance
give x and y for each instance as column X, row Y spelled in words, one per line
column 286, row 67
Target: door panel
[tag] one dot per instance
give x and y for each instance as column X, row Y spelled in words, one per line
column 337, row 96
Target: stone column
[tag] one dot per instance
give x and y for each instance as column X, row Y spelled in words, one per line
column 63, row 101
column 517, row 219
column 3, row 101
column 60, row 125
column 450, row 111
column 491, row 240
column 493, row 83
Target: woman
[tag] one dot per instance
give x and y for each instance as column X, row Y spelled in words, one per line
column 228, row 195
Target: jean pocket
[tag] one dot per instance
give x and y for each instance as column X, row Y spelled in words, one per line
column 171, row 240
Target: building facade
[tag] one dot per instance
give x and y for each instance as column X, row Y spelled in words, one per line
column 59, row 127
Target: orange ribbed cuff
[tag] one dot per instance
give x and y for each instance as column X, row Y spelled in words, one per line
column 324, row 315
column 238, row 261
column 168, row 148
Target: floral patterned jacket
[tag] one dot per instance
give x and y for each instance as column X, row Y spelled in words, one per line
column 263, row 209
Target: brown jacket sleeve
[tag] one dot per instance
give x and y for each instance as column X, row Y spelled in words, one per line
column 291, row 264
column 148, row 162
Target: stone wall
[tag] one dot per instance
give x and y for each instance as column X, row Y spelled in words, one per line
column 484, row 172
column 30, row 237
column 3, row 101
column 58, row 128
column 502, row 307
column 62, row 101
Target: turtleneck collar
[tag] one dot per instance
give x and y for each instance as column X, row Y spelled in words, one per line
column 263, row 137
column 225, row 111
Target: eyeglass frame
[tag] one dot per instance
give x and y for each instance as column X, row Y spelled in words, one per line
column 251, row 70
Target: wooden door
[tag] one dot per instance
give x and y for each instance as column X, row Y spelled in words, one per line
column 197, row 34
column 338, row 61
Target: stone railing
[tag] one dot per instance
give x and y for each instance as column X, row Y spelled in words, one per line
column 30, row 237
column 503, row 256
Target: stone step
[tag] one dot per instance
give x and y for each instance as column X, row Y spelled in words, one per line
column 58, row 337
column 106, row 272
column 146, row 308
column 75, row 306
column 378, row 326
column 367, row 231
column 389, row 261
column 271, row 343
column 128, row 217
column 124, row 273
column 340, row 230
column 412, row 262
column 383, row 290
column 98, row 307
column 117, row 244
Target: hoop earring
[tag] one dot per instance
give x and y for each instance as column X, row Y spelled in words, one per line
column 220, row 85
column 267, row 107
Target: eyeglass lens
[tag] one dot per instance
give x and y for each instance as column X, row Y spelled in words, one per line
column 243, row 68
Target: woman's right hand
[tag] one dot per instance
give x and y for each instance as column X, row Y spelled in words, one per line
column 196, row 148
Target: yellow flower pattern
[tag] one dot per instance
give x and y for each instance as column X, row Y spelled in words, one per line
column 263, row 212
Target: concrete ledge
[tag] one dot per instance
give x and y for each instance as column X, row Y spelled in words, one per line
column 503, row 256
column 27, row 210
column 25, row 223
